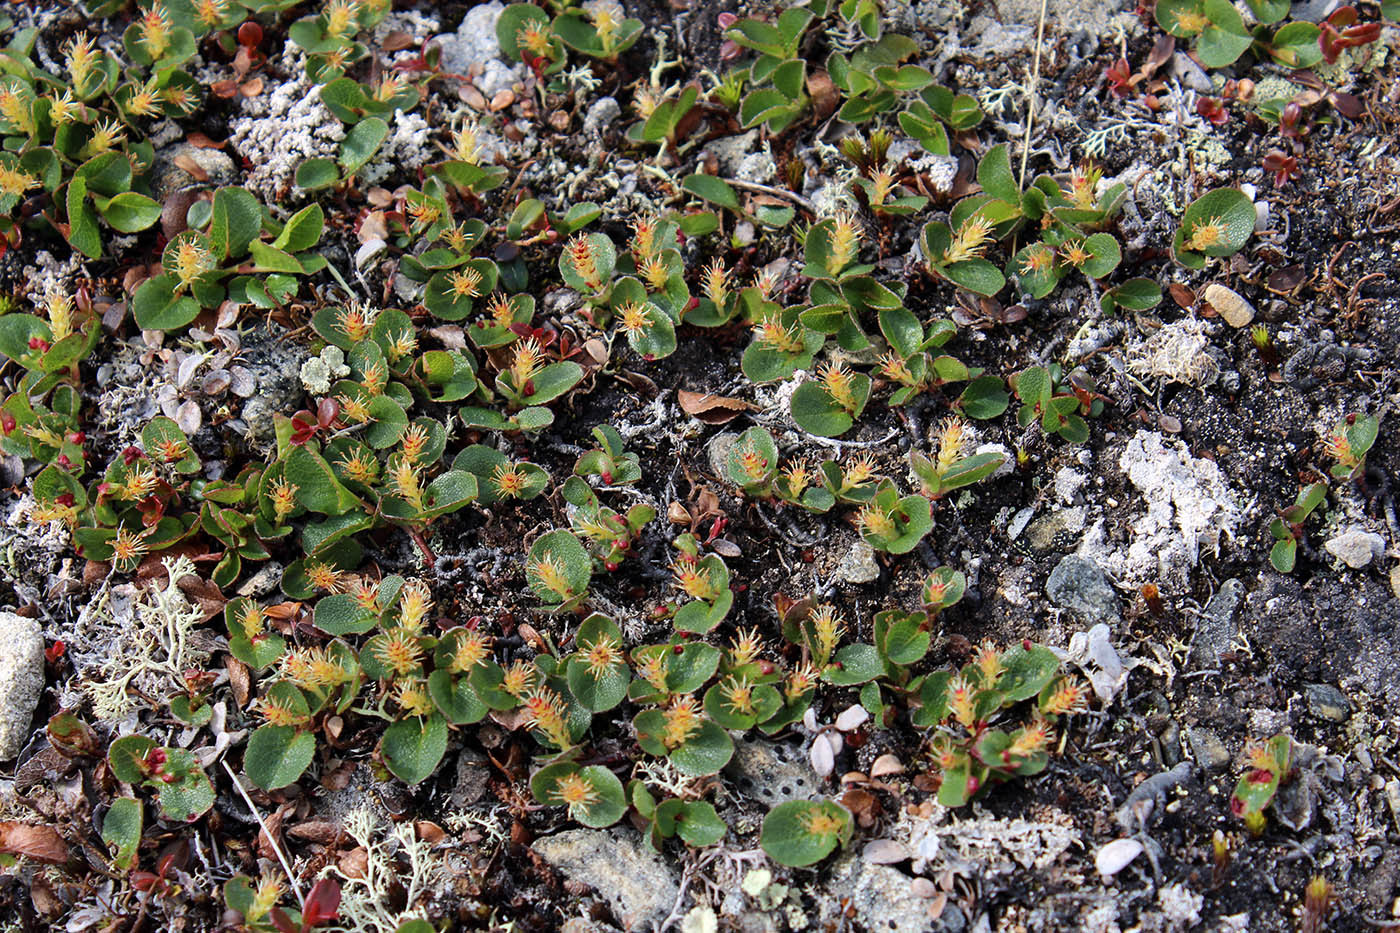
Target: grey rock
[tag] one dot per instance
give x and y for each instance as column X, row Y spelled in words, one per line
column 730, row 151
column 21, row 680
column 1313, row 11
column 265, row 581
column 1327, row 702
column 475, row 43
column 1216, row 629
column 1210, row 753
column 472, row 775
column 881, row 897
column 167, row 177
column 1191, row 74
column 771, row 772
column 1356, row 547
column 1057, row 530
column 717, row 452
column 639, row 885
column 858, row 565
column 1079, row 585
column 602, row 113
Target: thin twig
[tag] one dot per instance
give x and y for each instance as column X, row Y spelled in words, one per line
column 271, row 840
column 1030, row 98
column 792, row 196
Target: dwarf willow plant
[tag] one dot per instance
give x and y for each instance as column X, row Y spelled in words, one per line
column 181, row 786
column 1215, row 225
column 968, row 751
column 1220, row 35
column 1269, row 765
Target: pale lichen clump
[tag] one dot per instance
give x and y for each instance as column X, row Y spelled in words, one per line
column 147, row 643
column 399, row 868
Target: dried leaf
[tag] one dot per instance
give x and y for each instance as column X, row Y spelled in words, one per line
column 251, row 88
column 822, row 756
column 710, row 408
column 885, row 766
column 1182, row 295
column 200, row 141
column 884, row 852
column 41, row 843
column 239, row 680
column 396, row 41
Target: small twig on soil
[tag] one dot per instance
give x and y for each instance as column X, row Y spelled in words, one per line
column 271, row 839
column 1030, row 93
column 792, row 196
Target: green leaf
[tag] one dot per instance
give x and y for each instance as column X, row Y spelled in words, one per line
column 361, row 144
column 158, row 304
column 342, row 614
column 1104, row 255
column 803, row 832
column 975, row 275
column 984, row 397
column 317, row 488
column 235, row 220
column 314, row 174
column 1027, row 671
column 277, row 755
column 598, row 685
column 995, row 176
column 855, row 664
column 705, row 753
column 121, row 830
column 130, row 212
column 559, row 552
column 712, row 189
column 607, row 801
column 413, row 747
column 190, row 795
column 302, row 230
column 82, row 221
column 1218, row 223
column 456, row 698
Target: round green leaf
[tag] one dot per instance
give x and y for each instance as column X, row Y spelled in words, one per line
column 412, row 748
column 803, row 832
column 278, row 755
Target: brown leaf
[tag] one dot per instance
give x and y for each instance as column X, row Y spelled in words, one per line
column 503, row 99
column 472, row 97
column 251, row 88
column 823, row 93
column 353, row 863
column 200, row 141
column 863, row 805
column 41, row 843
column 321, row 831
column 225, row 88
column 272, row 827
column 676, row 514
column 239, row 680
column 710, row 408
column 430, row 832
column 1182, row 295
column 396, row 41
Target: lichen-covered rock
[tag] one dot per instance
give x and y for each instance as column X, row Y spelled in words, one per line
column 638, row 884
column 21, row 679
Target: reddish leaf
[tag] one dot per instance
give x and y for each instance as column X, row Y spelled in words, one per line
column 712, row 409
column 322, row 904
column 41, row 843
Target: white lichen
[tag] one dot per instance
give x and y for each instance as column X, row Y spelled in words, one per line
column 1176, row 352
column 281, row 129
column 395, row 861
column 144, row 643
column 1190, row 509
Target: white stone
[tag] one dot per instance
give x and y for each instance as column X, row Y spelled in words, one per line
column 1231, row 305
column 1116, row 856
column 1356, row 547
column 21, row 680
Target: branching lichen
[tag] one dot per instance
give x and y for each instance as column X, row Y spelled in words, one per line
column 393, row 860
column 151, row 639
